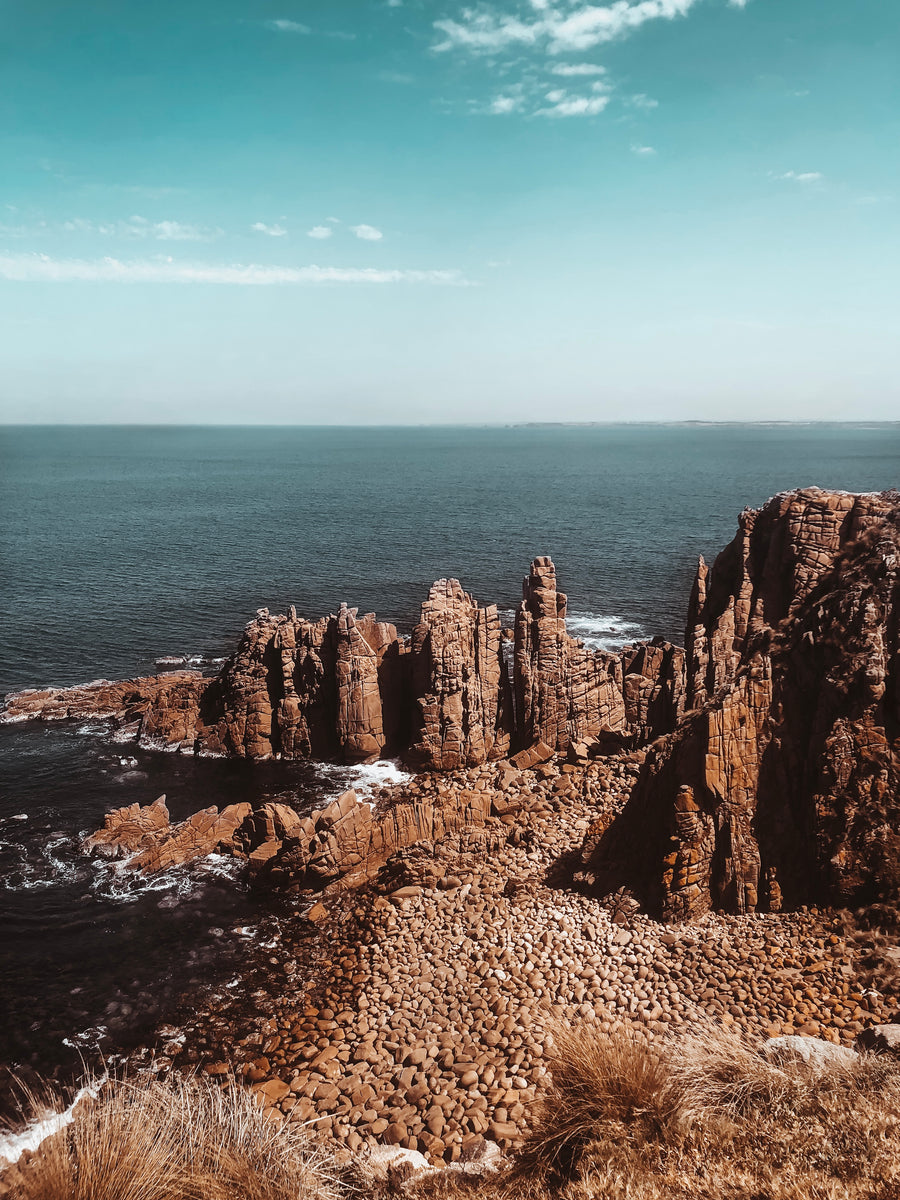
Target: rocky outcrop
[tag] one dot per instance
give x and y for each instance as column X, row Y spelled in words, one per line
column 767, row 571
column 126, row 701
column 347, row 688
column 783, row 788
column 347, row 843
column 563, row 691
column 462, row 691
column 149, row 843
column 653, row 688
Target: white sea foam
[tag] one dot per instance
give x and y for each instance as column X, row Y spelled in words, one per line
column 598, row 631
column 14, row 1145
column 601, row 632
column 366, row 778
column 92, row 728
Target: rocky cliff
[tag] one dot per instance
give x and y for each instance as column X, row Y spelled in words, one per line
column 781, row 785
column 348, row 688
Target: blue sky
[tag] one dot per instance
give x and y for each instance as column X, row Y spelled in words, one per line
column 379, row 212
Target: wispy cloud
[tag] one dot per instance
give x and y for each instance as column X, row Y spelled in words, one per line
column 558, row 27
column 270, row 230
column 40, row 268
column 501, row 105
column 141, row 228
column 283, row 26
column 643, row 151
column 641, row 100
column 320, row 232
column 571, row 69
column 801, row 176
column 561, row 103
column 367, row 233
column 505, row 30
column 875, row 198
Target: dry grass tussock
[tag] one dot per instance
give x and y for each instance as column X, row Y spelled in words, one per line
column 704, row 1117
column 178, row 1140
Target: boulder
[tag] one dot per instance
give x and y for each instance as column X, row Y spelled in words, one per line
column 815, row 1053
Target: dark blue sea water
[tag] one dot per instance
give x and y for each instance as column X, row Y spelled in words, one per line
column 119, row 545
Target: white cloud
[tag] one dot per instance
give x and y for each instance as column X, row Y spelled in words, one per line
column 564, row 105
column 283, row 26
column 738, row 3
column 505, row 29
column 505, row 104
column 801, row 176
column 577, row 69
column 487, row 29
column 271, row 230
column 141, row 228
column 40, row 268
column 319, row 231
column 644, row 151
column 367, row 233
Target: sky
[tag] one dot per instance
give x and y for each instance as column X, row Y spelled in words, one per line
column 414, row 211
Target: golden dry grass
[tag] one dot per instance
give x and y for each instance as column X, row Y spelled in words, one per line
column 704, row 1117
column 179, row 1140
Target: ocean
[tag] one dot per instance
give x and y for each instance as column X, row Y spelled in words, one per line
column 122, row 545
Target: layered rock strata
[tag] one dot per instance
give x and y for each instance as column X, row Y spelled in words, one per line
column 563, row 691
column 783, row 786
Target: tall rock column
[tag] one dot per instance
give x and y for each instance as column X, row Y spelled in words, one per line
column 783, row 788
column 360, row 646
column 563, row 692
column 463, row 715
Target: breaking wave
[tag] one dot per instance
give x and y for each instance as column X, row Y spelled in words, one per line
column 600, row 632
column 367, row 778
column 14, row 1145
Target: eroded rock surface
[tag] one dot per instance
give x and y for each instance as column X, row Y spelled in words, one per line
column 783, row 787
column 348, row 688
column 147, row 839
column 462, row 691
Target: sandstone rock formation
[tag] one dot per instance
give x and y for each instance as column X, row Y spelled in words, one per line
column 347, row 843
column 461, row 687
column 127, row 701
column 782, row 787
column 347, row 688
column 563, row 691
column 145, row 837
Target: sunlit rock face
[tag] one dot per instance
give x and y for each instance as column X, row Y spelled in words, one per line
column 781, row 786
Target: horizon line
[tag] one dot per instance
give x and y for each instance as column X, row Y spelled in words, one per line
column 693, row 422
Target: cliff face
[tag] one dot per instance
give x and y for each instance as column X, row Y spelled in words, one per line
column 782, row 787
column 463, row 713
column 347, row 687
